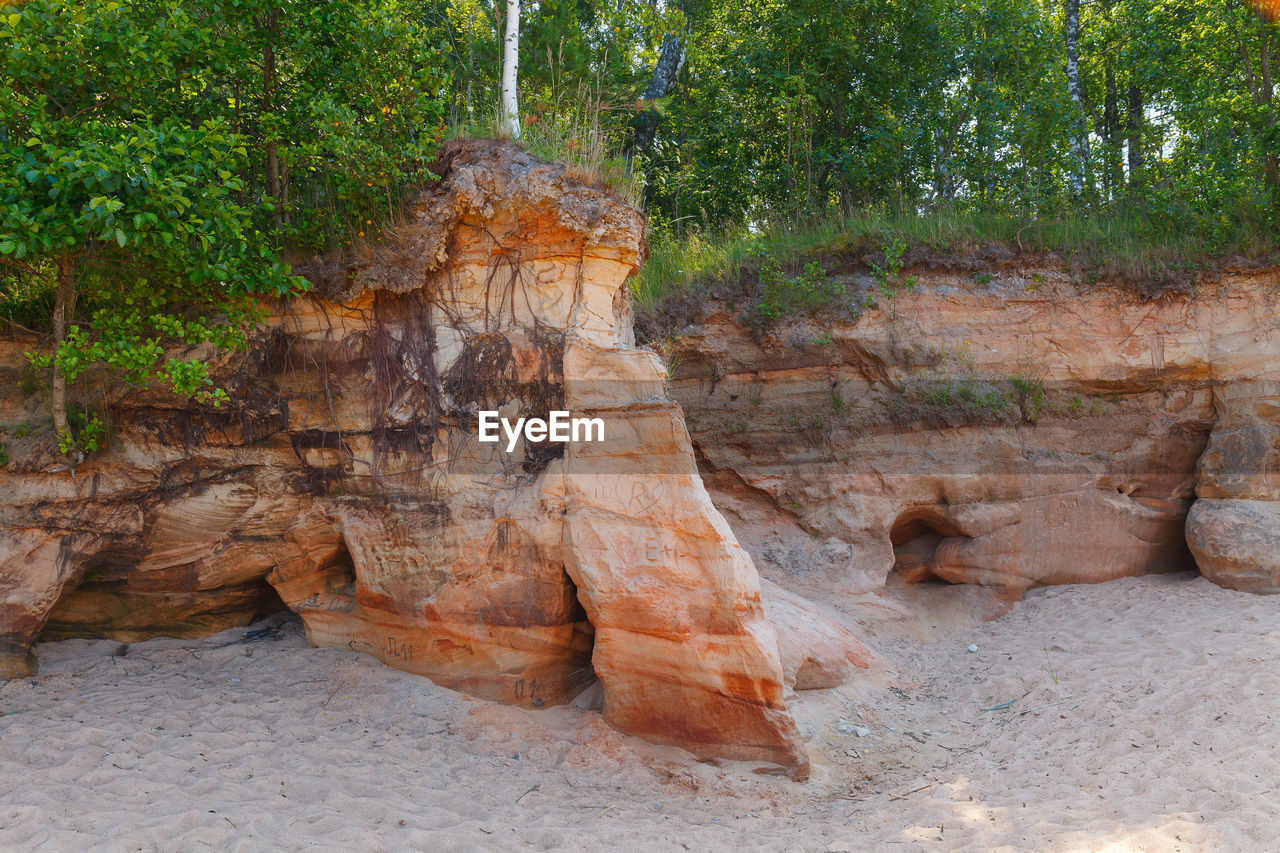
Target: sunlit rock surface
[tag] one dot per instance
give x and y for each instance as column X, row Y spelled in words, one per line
column 1013, row 428
column 346, row 479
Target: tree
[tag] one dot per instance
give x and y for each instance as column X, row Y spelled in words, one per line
column 573, row 57
column 510, row 69
column 1080, row 130
column 162, row 156
column 138, row 214
column 665, row 72
column 790, row 110
column 141, row 222
column 340, row 106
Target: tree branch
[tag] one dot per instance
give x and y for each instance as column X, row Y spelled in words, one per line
column 18, row 265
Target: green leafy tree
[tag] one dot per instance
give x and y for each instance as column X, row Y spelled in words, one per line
column 159, row 159
column 575, row 55
column 137, row 213
column 795, row 109
column 1164, row 111
column 340, row 106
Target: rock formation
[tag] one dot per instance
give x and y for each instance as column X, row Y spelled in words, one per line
column 1013, row 428
column 817, row 652
column 1234, row 526
column 347, row 479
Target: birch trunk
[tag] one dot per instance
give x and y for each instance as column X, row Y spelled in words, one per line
column 670, row 61
column 63, row 310
column 1271, row 163
column 1134, row 129
column 510, row 59
column 1080, row 132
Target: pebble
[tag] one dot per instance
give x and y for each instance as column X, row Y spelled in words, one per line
column 973, row 647
column 861, row 732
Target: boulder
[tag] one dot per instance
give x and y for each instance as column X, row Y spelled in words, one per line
column 1236, row 543
column 1234, row 527
column 817, row 652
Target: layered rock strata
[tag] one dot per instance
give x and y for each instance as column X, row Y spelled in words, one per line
column 347, row 479
column 1012, row 428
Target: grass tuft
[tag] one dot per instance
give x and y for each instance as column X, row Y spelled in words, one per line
column 566, row 127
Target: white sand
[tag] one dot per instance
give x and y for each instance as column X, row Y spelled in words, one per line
column 1160, row 733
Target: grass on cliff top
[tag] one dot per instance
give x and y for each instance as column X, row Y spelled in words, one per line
column 566, row 128
column 1153, row 256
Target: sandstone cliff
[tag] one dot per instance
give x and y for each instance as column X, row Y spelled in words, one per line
column 1014, row 428
column 346, row 481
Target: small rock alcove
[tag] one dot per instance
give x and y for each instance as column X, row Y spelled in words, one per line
column 916, row 535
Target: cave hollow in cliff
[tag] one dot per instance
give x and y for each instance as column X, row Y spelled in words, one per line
column 916, row 534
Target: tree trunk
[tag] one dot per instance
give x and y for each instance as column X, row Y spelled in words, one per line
column 944, row 181
column 1114, row 174
column 471, row 74
column 670, row 61
column 268, row 96
column 980, row 139
column 510, row 63
column 63, row 310
column 1080, row 133
column 1271, row 163
column 1261, row 89
column 1133, row 131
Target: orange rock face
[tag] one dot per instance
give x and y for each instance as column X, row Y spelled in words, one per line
column 348, row 480
column 1014, row 433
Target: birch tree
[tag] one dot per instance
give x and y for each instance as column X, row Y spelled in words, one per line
column 510, row 61
column 665, row 72
column 1080, row 129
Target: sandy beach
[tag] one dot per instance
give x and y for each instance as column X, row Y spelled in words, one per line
column 1134, row 715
